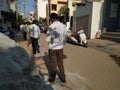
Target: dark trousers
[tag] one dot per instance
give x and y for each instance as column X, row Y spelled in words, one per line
column 56, row 61
column 25, row 35
column 35, row 45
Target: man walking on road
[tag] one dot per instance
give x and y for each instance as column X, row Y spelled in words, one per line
column 56, row 35
column 35, row 35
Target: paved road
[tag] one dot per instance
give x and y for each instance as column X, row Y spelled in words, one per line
column 95, row 68
column 86, row 68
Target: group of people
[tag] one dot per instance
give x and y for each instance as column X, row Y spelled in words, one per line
column 56, row 38
column 31, row 33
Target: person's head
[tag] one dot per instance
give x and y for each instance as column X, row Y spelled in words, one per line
column 54, row 17
column 34, row 22
column 28, row 23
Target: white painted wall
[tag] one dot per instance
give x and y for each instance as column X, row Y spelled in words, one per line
column 42, row 8
column 95, row 12
column 96, row 21
column 13, row 5
column 71, row 9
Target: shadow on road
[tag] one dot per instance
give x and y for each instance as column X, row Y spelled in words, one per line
column 38, row 77
column 116, row 59
column 47, row 62
column 76, row 44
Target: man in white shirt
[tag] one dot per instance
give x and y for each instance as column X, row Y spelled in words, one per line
column 35, row 35
column 56, row 35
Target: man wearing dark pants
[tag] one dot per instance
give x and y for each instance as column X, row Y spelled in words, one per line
column 56, row 34
column 35, row 45
column 56, row 59
column 35, row 35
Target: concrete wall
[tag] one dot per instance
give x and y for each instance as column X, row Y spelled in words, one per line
column 41, row 8
column 13, row 5
column 59, row 5
column 96, row 22
column 95, row 11
column 71, row 10
column 82, row 11
column 3, row 5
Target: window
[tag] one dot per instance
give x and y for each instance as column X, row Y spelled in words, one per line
column 54, row 7
column 113, row 11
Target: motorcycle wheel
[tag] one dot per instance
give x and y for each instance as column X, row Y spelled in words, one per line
column 85, row 45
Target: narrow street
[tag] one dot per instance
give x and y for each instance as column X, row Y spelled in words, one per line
column 86, row 68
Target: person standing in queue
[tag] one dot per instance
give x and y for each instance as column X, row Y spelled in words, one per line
column 35, row 35
column 56, row 37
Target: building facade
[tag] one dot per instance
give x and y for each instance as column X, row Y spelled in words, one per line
column 8, row 12
column 88, row 15
column 40, row 9
column 54, row 6
column 94, row 16
column 31, row 16
column 111, row 17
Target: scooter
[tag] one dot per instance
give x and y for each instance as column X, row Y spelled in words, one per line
column 77, row 38
column 82, row 37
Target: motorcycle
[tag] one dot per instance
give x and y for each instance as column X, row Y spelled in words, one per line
column 77, row 38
